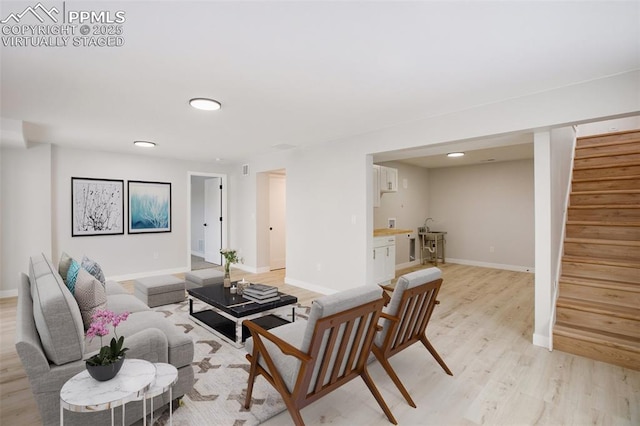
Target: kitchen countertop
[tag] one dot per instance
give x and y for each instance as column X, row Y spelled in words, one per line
column 385, row 232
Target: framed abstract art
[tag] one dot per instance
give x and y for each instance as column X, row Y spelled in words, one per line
column 149, row 207
column 97, row 207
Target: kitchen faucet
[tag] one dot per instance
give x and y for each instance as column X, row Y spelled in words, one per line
column 425, row 224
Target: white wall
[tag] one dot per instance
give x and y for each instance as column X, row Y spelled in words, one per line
column 36, row 211
column 197, row 213
column 123, row 255
column 608, row 126
column 329, row 207
column 26, row 207
column 409, row 206
column 484, row 207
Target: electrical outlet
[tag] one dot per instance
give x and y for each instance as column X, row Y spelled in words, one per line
column 492, row 249
column 155, row 255
column 319, row 266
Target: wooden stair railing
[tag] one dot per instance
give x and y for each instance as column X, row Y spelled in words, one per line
column 598, row 308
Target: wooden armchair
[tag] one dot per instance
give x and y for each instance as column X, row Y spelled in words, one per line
column 405, row 318
column 306, row 360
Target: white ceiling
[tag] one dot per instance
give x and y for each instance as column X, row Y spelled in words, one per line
column 302, row 73
column 439, row 159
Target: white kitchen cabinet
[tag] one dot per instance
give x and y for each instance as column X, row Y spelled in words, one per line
column 384, row 259
column 388, row 179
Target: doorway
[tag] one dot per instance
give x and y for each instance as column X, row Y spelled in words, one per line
column 277, row 221
column 207, row 225
column 271, row 220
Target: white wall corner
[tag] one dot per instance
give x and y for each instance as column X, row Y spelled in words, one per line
column 11, row 133
column 251, row 269
column 542, row 341
column 308, row 286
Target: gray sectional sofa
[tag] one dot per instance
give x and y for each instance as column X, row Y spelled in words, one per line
column 52, row 346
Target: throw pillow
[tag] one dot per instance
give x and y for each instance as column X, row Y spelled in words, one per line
column 93, row 268
column 63, row 266
column 90, row 295
column 72, row 274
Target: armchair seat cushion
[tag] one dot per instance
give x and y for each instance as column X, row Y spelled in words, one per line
column 288, row 366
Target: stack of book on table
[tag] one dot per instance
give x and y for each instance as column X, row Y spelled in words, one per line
column 261, row 293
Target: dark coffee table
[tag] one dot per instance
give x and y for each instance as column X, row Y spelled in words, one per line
column 229, row 310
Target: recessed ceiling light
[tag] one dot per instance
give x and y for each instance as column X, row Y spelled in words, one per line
column 205, row 104
column 144, row 144
column 455, row 154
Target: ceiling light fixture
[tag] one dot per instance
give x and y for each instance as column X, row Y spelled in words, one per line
column 144, row 144
column 205, row 104
column 455, row 154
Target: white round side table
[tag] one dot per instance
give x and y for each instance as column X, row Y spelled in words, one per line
column 166, row 377
column 83, row 394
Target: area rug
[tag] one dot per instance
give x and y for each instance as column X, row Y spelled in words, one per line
column 221, row 372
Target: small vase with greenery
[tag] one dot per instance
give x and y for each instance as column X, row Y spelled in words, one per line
column 107, row 362
column 230, row 257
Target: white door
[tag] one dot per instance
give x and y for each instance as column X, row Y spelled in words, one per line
column 212, row 223
column 277, row 221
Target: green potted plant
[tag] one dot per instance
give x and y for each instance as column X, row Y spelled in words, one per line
column 107, row 362
column 230, row 257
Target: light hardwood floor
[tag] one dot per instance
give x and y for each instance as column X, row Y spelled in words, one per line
column 482, row 329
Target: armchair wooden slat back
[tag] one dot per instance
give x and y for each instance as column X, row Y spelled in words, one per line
column 339, row 354
column 338, row 350
column 406, row 319
column 416, row 307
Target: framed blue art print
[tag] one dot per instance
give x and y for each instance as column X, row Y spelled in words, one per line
column 149, row 207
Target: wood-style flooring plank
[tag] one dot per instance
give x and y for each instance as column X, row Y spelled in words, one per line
column 482, row 329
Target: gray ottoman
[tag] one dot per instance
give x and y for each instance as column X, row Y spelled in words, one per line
column 203, row 277
column 160, row 290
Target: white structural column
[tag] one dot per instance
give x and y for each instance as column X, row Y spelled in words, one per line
column 544, row 274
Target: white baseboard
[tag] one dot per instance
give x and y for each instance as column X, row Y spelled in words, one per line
column 4, row 294
column 516, row 268
column 135, row 276
column 310, row 287
column 542, row 341
column 197, row 253
column 251, row 269
column 407, row 265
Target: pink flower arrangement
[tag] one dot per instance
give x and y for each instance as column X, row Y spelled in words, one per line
column 99, row 327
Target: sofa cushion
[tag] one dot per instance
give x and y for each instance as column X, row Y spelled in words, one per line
column 120, row 303
column 90, row 295
column 55, row 312
column 93, row 268
column 63, row 265
column 114, row 287
column 180, row 345
column 72, row 275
